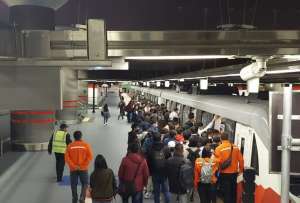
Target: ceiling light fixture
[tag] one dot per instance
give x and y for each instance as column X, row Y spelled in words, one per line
column 291, row 57
column 282, row 71
column 89, row 80
column 195, row 57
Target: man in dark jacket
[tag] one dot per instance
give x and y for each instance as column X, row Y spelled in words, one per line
column 157, row 158
column 173, row 167
column 190, row 122
column 58, row 143
column 134, row 168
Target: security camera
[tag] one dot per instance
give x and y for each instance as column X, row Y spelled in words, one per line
column 252, row 73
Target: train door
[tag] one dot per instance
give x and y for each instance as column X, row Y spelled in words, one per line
column 185, row 114
column 180, row 110
column 161, row 101
column 244, row 140
column 173, row 105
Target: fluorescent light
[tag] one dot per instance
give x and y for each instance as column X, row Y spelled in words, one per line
column 181, row 80
column 89, row 80
column 282, row 71
column 291, row 57
column 195, row 57
column 222, row 76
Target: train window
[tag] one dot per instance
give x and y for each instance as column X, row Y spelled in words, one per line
column 242, row 145
column 185, row 114
column 207, row 118
column 229, row 128
column 198, row 115
column 254, row 157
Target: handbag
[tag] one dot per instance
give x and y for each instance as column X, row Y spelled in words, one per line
column 127, row 187
column 228, row 161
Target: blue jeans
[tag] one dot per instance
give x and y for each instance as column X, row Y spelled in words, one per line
column 160, row 184
column 83, row 177
column 129, row 116
column 93, row 201
column 137, row 198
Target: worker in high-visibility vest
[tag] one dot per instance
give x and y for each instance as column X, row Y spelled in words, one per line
column 58, row 144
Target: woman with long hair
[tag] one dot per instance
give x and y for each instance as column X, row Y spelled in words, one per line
column 102, row 182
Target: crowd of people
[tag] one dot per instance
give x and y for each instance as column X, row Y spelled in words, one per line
column 164, row 156
column 182, row 158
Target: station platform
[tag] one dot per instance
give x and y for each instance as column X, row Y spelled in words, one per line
column 31, row 177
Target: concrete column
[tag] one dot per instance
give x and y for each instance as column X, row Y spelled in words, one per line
column 31, row 130
column 83, row 96
column 69, row 112
column 31, row 94
column 32, row 14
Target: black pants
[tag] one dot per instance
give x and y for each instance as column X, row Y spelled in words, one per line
column 229, row 187
column 207, row 193
column 83, row 177
column 60, row 165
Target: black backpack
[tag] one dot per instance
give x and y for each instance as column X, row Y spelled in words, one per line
column 186, row 175
column 193, row 155
column 158, row 160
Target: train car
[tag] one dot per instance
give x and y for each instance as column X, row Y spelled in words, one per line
column 247, row 123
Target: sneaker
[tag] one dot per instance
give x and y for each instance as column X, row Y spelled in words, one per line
column 148, row 195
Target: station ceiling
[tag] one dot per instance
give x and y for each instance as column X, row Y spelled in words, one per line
column 175, row 15
column 178, row 14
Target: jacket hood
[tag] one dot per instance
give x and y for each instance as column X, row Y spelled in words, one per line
column 135, row 157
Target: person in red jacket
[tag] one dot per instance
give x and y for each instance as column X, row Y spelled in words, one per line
column 78, row 157
column 133, row 168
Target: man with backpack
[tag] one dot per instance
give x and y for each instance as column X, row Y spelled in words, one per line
column 205, row 177
column 178, row 176
column 193, row 153
column 231, row 164
column 157, row 156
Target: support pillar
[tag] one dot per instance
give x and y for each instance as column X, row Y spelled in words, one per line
column 31, row 130
column 94, row 97
column 286, row 144
column 70, row 101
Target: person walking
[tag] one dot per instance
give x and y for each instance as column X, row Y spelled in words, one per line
column 78, row 157
column 173, row 166
column 122, row 108
column 105, row 113
column 133, row 175
column 231, row 164
column 129, row 108
column 58, row 144
column 205, row 177
column 157, row 158
column 102, row 182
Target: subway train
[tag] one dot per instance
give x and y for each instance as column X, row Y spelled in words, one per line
column 246, row 122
